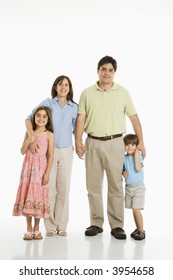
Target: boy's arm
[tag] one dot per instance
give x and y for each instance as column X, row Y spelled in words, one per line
column 138, row 164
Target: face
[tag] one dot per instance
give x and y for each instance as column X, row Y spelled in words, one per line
column 62, row 88
column 41, row 118
column 130, row 149
column 106, row 74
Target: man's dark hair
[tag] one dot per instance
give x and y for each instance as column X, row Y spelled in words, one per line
column 105, row 60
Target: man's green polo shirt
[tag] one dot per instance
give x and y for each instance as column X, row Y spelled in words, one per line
column 106, row 110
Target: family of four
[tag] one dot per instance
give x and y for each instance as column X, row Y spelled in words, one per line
column 43, row 191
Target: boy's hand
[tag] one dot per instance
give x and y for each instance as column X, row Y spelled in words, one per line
column 125, row 173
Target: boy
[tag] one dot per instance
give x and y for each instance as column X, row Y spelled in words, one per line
column 134, row 183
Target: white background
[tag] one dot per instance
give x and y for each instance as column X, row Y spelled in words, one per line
column 42, row 39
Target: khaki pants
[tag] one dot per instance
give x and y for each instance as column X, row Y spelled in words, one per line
column 59, row 189
column 105, row 156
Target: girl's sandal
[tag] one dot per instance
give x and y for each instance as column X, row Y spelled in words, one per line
column 37, row 235
column 51, row 233
column 62, row 232
column 28, row 235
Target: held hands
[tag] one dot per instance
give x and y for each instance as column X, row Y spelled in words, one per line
column 141, row 148
column 80, row 150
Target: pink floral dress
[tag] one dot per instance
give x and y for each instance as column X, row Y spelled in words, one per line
column 32, row 197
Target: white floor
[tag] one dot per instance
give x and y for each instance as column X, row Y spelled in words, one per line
column 158, row 244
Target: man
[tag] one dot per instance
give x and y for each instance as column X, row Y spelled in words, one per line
column 101, row 115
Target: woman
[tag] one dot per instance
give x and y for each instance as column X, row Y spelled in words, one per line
column 64, row 114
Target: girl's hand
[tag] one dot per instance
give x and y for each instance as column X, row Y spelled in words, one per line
column 45, row 179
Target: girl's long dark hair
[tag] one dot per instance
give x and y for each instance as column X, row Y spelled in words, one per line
column 49, row 125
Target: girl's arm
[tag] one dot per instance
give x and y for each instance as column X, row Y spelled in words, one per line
column 50, row 153
column 138, row 164
column 27, row 141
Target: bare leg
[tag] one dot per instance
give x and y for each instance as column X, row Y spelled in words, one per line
column 29, row 223
column 36, row 224
column 37, row 234
column 138, row 219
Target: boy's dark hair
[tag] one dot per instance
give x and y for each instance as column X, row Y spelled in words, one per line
column 131, row 139
column 105, row 60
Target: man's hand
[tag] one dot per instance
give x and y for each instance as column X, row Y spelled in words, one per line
column 80, row 150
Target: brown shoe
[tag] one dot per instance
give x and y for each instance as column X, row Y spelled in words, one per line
column 118, row 233
column 93, row 230
column 134, row 233
column 140, row 235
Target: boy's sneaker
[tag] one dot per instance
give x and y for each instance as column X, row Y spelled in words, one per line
column 134, row 233
column 140, row 235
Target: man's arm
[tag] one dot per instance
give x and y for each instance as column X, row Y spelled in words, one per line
column 79, row 130
column 138, row 131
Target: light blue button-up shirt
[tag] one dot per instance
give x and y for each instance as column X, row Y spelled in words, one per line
column 64, row 119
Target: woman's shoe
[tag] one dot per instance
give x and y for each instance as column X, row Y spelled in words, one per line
column 51, row 233
column 62, row 232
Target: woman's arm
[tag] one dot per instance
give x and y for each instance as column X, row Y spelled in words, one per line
column 34, row 146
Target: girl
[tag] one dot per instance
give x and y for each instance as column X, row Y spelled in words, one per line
column 32, row 198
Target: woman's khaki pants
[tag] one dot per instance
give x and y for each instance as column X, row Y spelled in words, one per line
column 59, row 189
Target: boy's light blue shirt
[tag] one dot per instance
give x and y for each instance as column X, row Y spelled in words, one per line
column 134, row 177
column 64, row 119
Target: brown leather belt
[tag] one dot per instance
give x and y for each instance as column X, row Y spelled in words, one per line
column 105, row 138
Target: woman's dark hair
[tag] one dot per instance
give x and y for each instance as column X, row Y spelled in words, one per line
column 105, row 60
column 49, row 125
column 131, row 139
column 59, row 80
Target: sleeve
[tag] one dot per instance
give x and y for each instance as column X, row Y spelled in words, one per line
column 74, row 119
column 45, row 102
column 82, row 104
column 124, row 168
column 130, row 107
